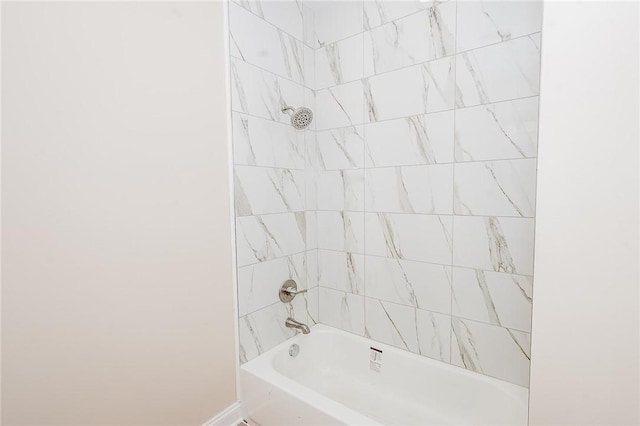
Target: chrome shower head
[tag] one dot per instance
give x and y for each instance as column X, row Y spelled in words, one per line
column 300, row 117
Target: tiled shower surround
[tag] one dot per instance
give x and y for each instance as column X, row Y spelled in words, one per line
column 407, row 209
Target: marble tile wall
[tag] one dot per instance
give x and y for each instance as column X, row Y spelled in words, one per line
column 272, row 65
column 423, row 164
column 408, row 207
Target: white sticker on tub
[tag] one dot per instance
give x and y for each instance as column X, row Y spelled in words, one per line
column 375, row 363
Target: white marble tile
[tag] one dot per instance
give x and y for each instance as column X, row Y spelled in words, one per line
column 312, row 306
column 286, row 15
column 341, row 271
column 339, row 63
column 341, row 190
column 500, row 72
column 379, row 12
column 427, row 87
column 491, row 350
column 311, row 261
column 343, row 231
column 341, row 148
column 261, row 190
column 396, row 94
column 485, row 22
column 493, row 297
column 309, row 24
column 312, row 166
column 434, row 335
column 419, row 331
column 415, row 140
column 311, row 189
column 425, row 238
column 496, row 188
column 309, row 75
column 411, row 40
column 503, row 130
column 336, row 20
column 342, row 310
column 234, row 50
column 260, row 238
column 254, row 6
column 256, row 41
column 340, row 106
column 392, row 324
column 261, row 93
column 265, row 329
column 494, row 244
column 312, row 154
column 309, row 98
column 312, row 229
column 260, row 142
column 411, row 189
column 258, row 284
column 417, row 284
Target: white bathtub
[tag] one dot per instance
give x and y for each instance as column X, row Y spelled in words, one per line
column 331, row 382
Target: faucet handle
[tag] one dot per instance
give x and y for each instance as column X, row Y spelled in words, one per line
column 293, row 291
column 289, row 290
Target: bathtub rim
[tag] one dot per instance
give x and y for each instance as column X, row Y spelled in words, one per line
column 262, row 368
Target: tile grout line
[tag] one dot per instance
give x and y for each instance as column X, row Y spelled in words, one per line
column 368, row 123
column 365, row 330
column 304, row 201
column 453, row 195
column 466, row 318
column 424, row 262
column 297, row 83
column 425, row 10
column 369, row 168
column 432, row 311
column 453, row 55
column 369, row 212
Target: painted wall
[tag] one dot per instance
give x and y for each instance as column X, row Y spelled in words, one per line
column 270, row 65
column 426, row 171
column 117, row 305
column 585, row 356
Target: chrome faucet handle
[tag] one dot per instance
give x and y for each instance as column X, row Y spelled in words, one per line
column 289, row 290
column 293, row 291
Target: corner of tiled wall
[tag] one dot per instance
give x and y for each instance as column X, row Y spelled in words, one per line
column 271, row 66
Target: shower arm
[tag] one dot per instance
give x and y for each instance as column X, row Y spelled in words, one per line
column 287, row 108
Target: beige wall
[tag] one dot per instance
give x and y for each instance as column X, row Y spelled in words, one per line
column 117, row 300
column 585, row 356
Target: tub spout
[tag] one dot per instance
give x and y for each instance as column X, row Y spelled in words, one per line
column 291, row 323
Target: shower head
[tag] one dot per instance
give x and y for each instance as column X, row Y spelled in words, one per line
column 300, row 117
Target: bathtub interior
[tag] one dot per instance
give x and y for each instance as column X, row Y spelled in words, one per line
column 408, row 389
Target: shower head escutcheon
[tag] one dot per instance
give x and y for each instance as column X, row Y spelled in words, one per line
column 300, row 117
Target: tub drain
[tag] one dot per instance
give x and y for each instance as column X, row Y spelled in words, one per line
column 294, row 350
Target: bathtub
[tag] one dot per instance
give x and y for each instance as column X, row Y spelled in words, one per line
column 339, row 378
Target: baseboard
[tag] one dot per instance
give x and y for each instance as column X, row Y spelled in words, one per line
column 230, row 416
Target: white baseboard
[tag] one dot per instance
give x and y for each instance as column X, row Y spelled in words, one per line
column 230, row 416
